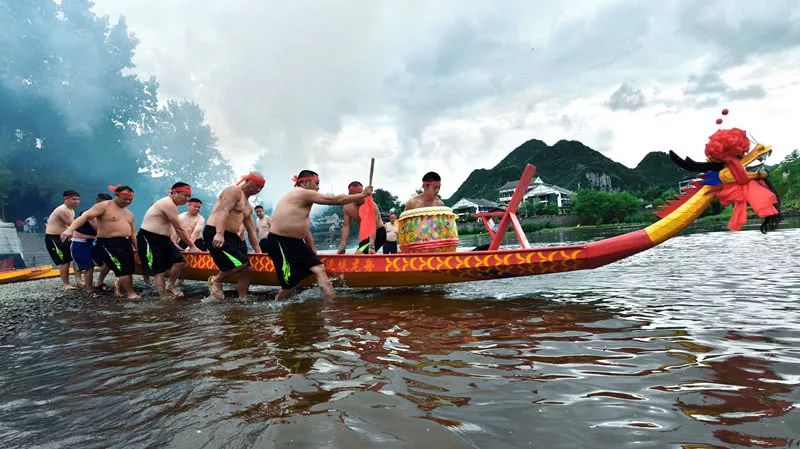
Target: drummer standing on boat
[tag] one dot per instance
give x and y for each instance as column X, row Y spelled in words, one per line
column 231, row 212
column 159, row 253
column 351, row 212
column 431, row 183
column 290, row 244
column 61, row 217
column 116, row 236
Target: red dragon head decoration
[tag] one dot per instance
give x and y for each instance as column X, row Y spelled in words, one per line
column 728, row 146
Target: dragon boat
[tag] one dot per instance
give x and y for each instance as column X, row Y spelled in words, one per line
column 739, row 180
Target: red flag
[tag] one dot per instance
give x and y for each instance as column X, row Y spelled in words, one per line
column 366, row 215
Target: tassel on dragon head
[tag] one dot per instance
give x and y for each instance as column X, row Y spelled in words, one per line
column 735, row 174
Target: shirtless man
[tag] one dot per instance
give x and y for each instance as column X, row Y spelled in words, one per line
column 431, row 183
column 192, row 223
column 290, row 244
column 84, row 252
column 116, row 236
column 232, row 211
column 351, row 212
column 390, row 247
column 159, row 253
column 61, row 217
column 263, row 223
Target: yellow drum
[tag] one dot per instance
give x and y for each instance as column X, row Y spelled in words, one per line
column 427, row 230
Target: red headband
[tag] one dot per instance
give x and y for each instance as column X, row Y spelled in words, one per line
column 355, row 189
column 259, row 180
column 431, row 183
column 126, row 195
column 182, row 189
column 304, row 178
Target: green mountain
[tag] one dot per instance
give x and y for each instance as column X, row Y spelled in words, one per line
column 568, row 164
column 659, row 170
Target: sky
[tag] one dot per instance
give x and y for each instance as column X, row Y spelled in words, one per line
column 453, row 86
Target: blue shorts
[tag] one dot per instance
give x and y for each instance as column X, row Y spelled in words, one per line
column 82, row 254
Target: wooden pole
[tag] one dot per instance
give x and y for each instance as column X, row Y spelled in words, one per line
column 371, row 170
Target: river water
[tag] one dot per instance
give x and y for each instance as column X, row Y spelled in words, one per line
column 693, row 344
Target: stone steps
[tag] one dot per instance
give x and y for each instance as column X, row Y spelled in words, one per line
column 33, row 251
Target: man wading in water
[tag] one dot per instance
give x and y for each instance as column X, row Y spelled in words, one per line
column 159, row 253
column 61, row 217
column 232, row 211
column 116, row 237
column 290, row 244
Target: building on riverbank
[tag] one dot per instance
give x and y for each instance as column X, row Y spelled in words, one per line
column 465, row 207
column 10, row 247
column 540, row 193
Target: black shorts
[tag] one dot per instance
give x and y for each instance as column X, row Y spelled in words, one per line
column 59, row 251
column 199, row 243
column 293, row 259
column 380, row 239
column 156, row 252
column 233, row 253
column 390, row 247
column 97, row 255
column 117, row 254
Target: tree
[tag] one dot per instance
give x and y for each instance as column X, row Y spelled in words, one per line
column 596, row 207
column 386, row 202
column 786, row 179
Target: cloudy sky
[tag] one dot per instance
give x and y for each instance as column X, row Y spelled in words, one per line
column 452, row 86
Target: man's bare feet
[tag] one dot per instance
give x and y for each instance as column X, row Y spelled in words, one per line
column 174, row 292
column 215, row 289
column 68, row 287
column 132, row 296
column 117, row 289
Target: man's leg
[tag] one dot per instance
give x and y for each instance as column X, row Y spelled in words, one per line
column 127, row 283
column 215, row 282
column 101, row 278
column 323, row 281
column 63, row 272
column 175, row 277
column 243, row 283
column 161, row 284
column 89, row 280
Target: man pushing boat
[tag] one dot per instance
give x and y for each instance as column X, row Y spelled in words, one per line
column 221, row 234
column 289, row 242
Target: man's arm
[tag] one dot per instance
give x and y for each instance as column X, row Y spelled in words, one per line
column 132, row 237
column 318, row 198
column 198, row 228
column 345, row 234
column 251, row 233
column 171, row 211
column 66, row 217
column 96, row 211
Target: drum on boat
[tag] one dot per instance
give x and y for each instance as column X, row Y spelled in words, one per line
column 427, row 230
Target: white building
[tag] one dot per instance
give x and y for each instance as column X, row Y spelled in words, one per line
column 539, row 192
column 465, row 207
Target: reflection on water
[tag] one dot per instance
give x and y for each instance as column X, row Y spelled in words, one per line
column 692, row 344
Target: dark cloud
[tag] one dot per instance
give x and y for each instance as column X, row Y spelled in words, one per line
column 709, row 89
column 626, row 98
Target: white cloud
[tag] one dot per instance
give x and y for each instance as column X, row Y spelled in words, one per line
column 453, row 86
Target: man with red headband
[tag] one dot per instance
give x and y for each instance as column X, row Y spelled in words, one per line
column 192, row 222
column 61, row 217
column 376, row 235
column 158, row 254
column 290, row 244
column 116, row 236
column 232, row 211
column 431, row 183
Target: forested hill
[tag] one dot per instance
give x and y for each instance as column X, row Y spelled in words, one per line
column 571, row 165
